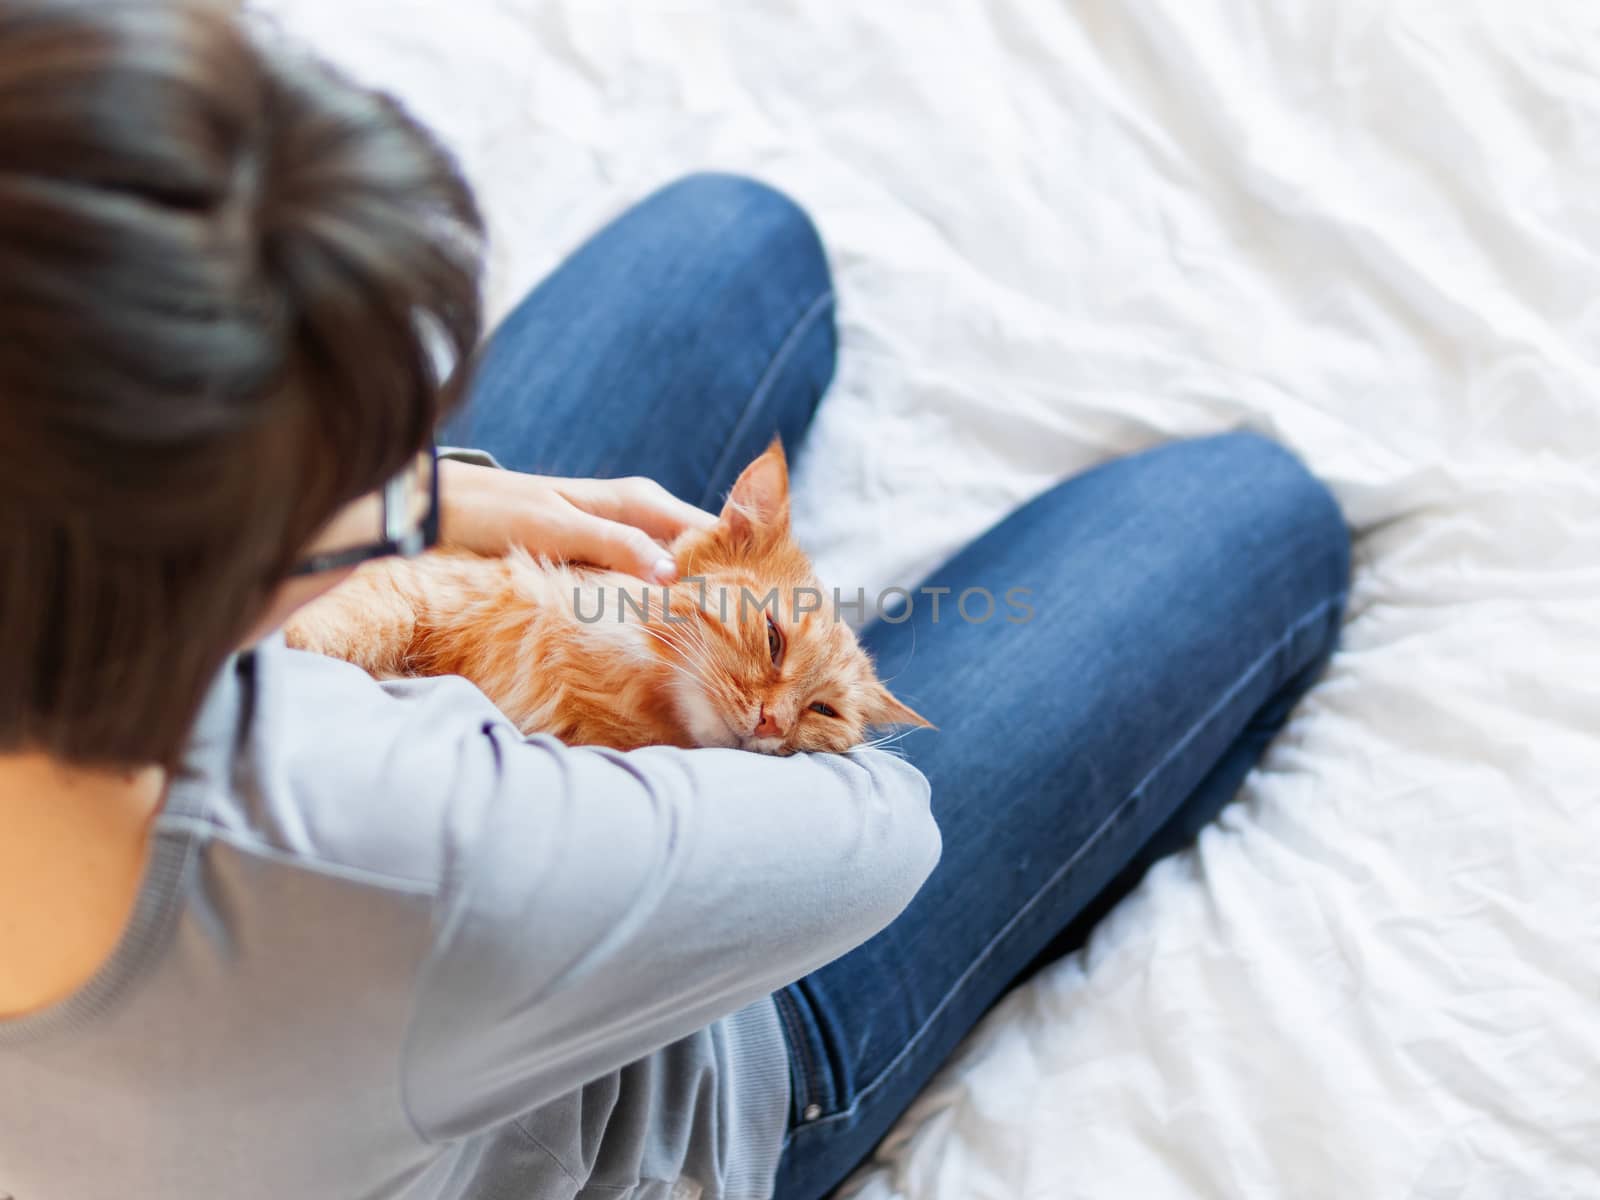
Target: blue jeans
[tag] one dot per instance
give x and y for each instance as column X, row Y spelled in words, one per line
column 1183, row 599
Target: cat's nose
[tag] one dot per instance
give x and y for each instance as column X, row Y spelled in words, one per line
column 767, row 725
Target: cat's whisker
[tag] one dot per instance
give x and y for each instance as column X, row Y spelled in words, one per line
column 883, row 746
column 886, row 740
column 667, row 639
column 694, row 679
column 687, row 674
column 910, row 654
column 667, row 633
column 685, row 660
column 677, row 629
column 690, row 668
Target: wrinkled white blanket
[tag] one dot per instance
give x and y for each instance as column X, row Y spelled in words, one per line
column 1063, row 231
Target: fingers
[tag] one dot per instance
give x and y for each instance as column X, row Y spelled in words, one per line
column 619, row 524
column 640, row 502
column 617, row 546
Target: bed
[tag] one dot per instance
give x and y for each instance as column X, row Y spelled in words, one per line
column 1066, row 231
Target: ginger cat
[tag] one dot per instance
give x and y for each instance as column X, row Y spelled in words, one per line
column 597, row 658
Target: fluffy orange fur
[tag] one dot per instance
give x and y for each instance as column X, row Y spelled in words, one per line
column 597, row 658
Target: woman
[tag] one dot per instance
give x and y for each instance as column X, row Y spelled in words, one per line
column 269, row 928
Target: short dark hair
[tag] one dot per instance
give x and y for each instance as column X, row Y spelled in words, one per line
column 236, row 292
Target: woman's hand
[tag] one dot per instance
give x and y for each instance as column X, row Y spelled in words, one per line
column 622, row 524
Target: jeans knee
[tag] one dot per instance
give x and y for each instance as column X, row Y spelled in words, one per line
column 1290, row 505
column 753, row 224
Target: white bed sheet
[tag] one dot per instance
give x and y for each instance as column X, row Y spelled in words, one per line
column 1065, row 231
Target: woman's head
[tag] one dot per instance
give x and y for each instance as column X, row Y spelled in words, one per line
column 236, row 292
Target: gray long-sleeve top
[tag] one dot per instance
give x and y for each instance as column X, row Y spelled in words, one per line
column 386, row 947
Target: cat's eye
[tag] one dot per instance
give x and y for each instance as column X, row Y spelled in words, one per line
column 774, row 642
column 825, row 710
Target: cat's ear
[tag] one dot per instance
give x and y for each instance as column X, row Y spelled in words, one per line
column 882, row 708
column 760, row 496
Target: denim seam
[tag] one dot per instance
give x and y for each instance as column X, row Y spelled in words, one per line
column 799, row 1047
column 1111, row 819
column 780, row 359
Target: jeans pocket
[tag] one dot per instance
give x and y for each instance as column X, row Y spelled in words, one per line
column 812, row 1093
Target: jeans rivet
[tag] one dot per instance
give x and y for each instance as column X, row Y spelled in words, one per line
column 813, row 1111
